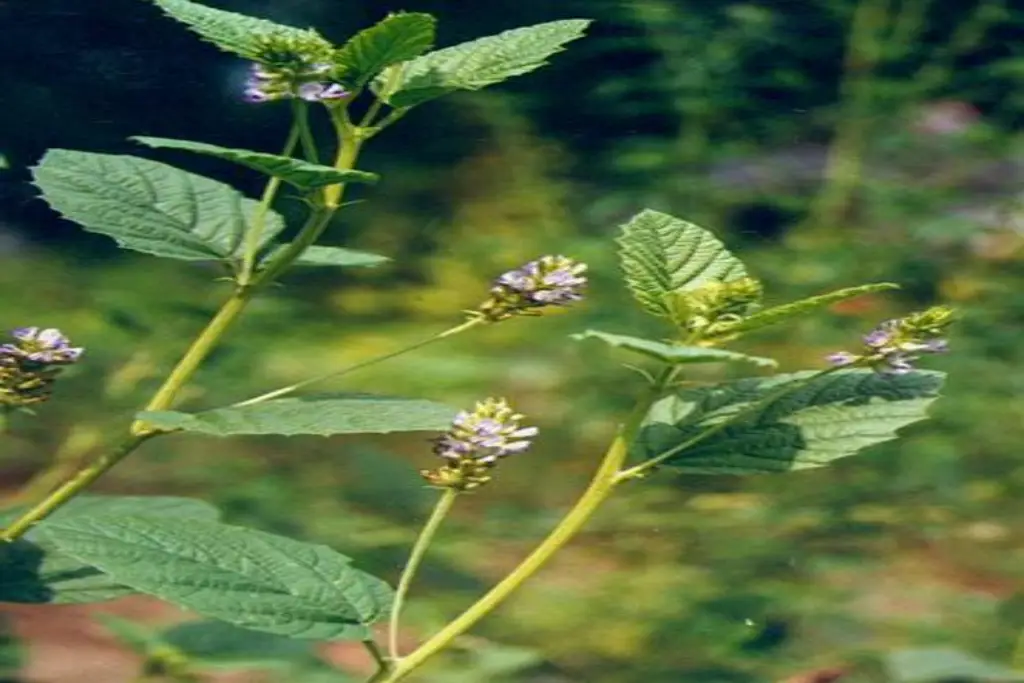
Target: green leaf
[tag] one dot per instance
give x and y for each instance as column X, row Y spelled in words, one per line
column 148, row 206
column 777, row 314
column 246, row 577
column 398, row 38
column 806, row 421
column 302, row 174
column 233, row 32
column 661, row 254
column 675, row 354
column 322, row 415
column 476, row 64
column 226, row 646
column 318, row 256
column 923, row 665
column 35, row 572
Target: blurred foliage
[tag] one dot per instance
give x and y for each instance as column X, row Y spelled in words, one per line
column 723, row 113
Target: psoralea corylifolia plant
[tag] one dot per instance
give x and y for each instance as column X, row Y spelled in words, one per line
column 70, row 548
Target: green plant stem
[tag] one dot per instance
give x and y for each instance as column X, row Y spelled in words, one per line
column 300, row 114
column 195, row 355
column 645, row 467
column 600, row 487
column 419, row 549
column 254, row 235
column 197, row 352
column 284, row 391
column 72, row 487
column 383, row 664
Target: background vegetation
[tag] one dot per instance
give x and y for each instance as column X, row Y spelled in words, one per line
column 828, row 142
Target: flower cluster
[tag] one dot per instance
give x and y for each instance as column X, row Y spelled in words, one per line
column 714, row 307
column 548, row 281
column 476, row 442
column 29, row 365
column 293, row 66
column 894, row 345
column 266, row 84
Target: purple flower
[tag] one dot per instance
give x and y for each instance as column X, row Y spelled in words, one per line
column 548, row 281
column 882, row 335
column 317, row 92
column 841, row 358
column 894, row 345
column 476, row 441
column 266, row 84
column 42, row 346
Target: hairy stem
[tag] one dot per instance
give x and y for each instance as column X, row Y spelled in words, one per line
column 419, row 549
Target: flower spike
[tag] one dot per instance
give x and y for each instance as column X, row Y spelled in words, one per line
column 893, row 346
column 30, row 365
column 475, row 443
column 547, row 281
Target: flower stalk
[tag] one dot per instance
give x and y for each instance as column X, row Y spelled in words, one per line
column 412, row 565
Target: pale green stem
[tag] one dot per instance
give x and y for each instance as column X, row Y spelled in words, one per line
column 378, row 103
column 645, row 467
column 254, row 235
column 301, row 114
column 419, row 549
column 600, row 488
column 284, row 391
column 70, row 488
column 383, row 664
column 198, row 351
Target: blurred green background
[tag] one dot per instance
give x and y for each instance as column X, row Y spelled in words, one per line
column 827, row 142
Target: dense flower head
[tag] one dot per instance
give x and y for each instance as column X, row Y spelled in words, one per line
column 30, row 364
column 547, row 281
column 893, row 346
column 475, row 443
column 306, row 82
column 292, row 65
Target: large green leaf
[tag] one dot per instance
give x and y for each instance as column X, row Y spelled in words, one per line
column 322, row 415
column 806, row 420
column 476, row 64
column 233, row 32
column 675, row 354
column 336, row 257
column 148, row 206
column 302, row 174
column 35, row 572
column 398, row 38
column 778, row 314
column 661, row 254
column 243, row 576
